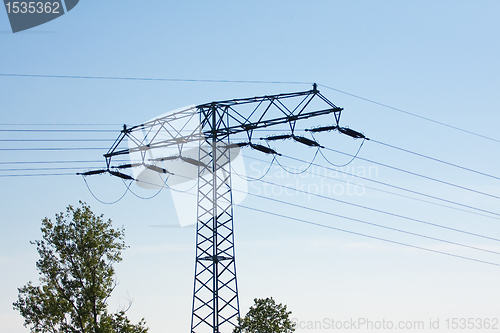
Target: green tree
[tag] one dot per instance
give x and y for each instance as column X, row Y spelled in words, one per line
column 265, row 316
column 77, row 254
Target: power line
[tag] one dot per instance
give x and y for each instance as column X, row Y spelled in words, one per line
column 417, row 174
column 43, row 169
column 367, row 236
column 352, row 219
column 386, row 184
column 345, row 164
column 152, row 79
column 104, row 202
column 411, row 114
column 335, row 215
column 378, row 225
column 40, row 174
column 377, row 189
column 344, row 217
column 59, row 130
column 57, row 140
column 48, row 149
column 435, row 159
column 343, row 230
column 299, row 172
column 376, row 210
column 251, row 82
column 56, row 162
column 150, row 197
column 53, row 124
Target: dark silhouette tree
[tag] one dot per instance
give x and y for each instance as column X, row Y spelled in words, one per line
column 265, row 316
column 77, row 253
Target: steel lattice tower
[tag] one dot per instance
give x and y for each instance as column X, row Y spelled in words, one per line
column 215, row 297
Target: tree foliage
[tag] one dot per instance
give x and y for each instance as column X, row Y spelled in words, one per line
column 265, row 316
column 77, row 253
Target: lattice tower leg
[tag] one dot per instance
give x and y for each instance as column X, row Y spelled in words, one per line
column 215, row 298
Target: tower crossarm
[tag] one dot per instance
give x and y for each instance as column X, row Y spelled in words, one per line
column 262, row 112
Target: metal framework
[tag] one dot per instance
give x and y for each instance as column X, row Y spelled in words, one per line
column 215, row 296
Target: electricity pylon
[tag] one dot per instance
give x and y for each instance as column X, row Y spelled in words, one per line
column 215, row 296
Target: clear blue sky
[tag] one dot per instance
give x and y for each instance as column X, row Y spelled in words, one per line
column 436, row 59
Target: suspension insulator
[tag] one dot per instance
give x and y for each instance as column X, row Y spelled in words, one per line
column 351, row 133
column 126, row 166
column 194, row 162
column 156, row 168
column 237, row 145
column 93, row 172
column 264, row 149
column 277, row 137
column 169, row 158
column 120, row 175
column 306, row 141
column 322, row 129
